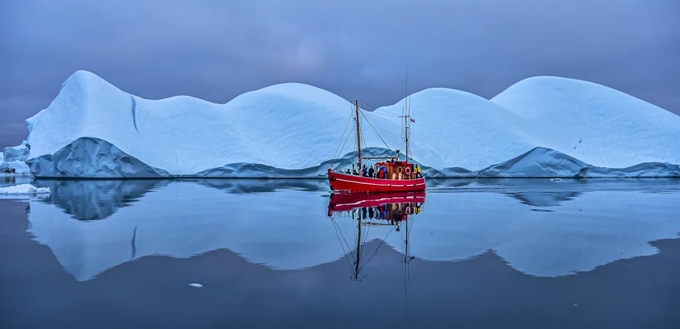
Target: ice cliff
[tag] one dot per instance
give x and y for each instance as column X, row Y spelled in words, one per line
column 539, row 127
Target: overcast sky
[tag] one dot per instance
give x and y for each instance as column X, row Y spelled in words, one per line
column 216, row 50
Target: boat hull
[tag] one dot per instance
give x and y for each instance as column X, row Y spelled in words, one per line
column 342, row 182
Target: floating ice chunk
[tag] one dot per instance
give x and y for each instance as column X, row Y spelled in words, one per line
column 24, row 189
column 196, row 285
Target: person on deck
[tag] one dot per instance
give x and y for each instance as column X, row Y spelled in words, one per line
column 371, row 172
column 418, row 174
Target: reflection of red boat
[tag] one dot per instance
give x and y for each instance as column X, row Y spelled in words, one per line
column 389, row 175
column 372, row 209
column 347, row 202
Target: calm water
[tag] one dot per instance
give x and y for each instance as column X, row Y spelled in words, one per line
column 496, row 253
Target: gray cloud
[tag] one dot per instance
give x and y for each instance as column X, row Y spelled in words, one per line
column 216, row 50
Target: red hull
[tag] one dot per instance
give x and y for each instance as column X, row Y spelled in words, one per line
column 351, row 183
column 346, row 202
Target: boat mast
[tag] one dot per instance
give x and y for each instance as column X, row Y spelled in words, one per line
column 407, row 119
column 356, row 109
column 407, row 115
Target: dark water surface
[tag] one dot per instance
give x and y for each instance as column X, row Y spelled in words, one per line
column 479, row 254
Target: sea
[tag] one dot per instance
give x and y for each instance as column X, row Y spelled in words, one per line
column 252, row 253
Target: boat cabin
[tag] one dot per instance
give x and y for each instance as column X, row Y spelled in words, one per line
column 397, row 170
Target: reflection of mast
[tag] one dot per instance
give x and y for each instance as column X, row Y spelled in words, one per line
column 407, row 262
column 407, row 251
column 356, row 265
column 386, row 209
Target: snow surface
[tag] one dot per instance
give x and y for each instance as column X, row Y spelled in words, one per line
column 294, row 130
column 595, row 124
column 24, row 189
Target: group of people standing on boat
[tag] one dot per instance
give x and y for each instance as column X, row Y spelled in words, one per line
column 380, row 171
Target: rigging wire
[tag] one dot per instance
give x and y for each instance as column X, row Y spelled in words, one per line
column 362, row 240
column 384, row 112
column 368, row 107
column 376, row 132
column 345, row 143
column 377, row 248
column 339, row 150
column 363, row 140
column 387, row 114
column 338, row 234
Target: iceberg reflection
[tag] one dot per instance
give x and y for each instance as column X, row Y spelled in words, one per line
column 91, row 226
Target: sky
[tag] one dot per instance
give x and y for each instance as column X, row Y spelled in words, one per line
column 216, row 50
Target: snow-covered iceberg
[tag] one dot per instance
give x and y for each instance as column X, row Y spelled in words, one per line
column 542, row 162
column 14, row 168
column 557, row 127
column 12, row 160
column 16, row 153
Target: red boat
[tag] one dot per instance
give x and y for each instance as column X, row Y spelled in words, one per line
column 343, row 182
column 389, row 175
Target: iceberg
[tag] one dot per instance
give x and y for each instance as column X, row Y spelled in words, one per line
column 539, row 127
column 12, row 160
column 14, row 168
column 542, row 162
column 16, row 153
column 93, row 157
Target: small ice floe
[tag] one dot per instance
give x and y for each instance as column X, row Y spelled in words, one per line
column 196, row 285
column 24, row 189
